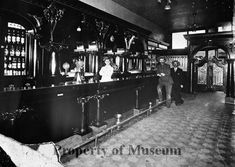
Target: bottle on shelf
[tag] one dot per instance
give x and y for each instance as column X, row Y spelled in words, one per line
column 23, row 72
column 9, row 65
column 13, row 37
column 5, row 65
column 19, row 63
column 22, row 38
column 12, row 51
column 5, row 59
column 14, row 63
column 23, row 63
column 9, row 36
column 17, row 51
column 18, row 36
column 22, row 52
column 5, row 72
column 6, row 50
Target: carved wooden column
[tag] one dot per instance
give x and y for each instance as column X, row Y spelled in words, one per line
column 230, row 71
column 191, row 74
column 190, row 69
column 230, row 82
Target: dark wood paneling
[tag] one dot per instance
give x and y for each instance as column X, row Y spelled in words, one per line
column 54, row 113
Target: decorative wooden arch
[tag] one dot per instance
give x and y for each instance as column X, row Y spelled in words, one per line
column 202, row 47
column 209, row 47
column 29, row 20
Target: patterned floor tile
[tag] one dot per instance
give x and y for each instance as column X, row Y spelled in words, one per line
column 202, row 128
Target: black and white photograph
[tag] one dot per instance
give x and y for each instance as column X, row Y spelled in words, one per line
column 117, row 83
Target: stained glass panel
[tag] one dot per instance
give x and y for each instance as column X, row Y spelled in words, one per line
column 217, row 75
column 202, row 73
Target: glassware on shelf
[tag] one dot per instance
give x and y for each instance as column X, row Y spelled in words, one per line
column 5, row 72
column 24, row 72
column 11, row 87
column 19, row 65
column 66, row 67
column 8, row 72
column 9, row 36
column 17, row 51
column 23, row 52
column 10, row 65
column 18, row 37
column 13, row 37
column 12, row 51
column 23, row 63
column 22, row 38
column 14, row 63
column 6, row 51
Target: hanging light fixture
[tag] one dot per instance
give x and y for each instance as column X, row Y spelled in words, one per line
column 167, row 4
column 195, row 25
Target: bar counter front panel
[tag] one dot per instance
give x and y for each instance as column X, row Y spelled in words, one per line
column 54, row 113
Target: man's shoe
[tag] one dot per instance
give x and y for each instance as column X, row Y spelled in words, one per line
column 168, row 104
column 179, row 103
column 160, row 100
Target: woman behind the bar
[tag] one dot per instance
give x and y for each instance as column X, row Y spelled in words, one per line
column 106, row 71
column 79, row 71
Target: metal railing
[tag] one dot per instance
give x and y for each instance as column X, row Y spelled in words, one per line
column 117, row 126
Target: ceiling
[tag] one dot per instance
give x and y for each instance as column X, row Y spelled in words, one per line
column 184, row 14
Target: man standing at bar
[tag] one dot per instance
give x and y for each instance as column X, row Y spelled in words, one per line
column 165, row 79
column 177, row 76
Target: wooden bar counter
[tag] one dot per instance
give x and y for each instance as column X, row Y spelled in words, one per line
column 53, row 113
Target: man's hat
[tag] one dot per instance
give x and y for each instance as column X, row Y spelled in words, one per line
column 161, row 57
column 178, row 63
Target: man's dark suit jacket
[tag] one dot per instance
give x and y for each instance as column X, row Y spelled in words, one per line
column 177, row 76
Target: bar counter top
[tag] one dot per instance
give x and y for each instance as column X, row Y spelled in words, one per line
column 73, row 84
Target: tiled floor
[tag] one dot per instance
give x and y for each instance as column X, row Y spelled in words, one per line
column 202, row 129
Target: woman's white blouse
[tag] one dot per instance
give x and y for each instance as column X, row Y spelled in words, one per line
column 106, row 73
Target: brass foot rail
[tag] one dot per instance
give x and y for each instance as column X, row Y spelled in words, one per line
column 95, row 138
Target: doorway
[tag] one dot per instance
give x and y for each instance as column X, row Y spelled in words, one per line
column 210, row 70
